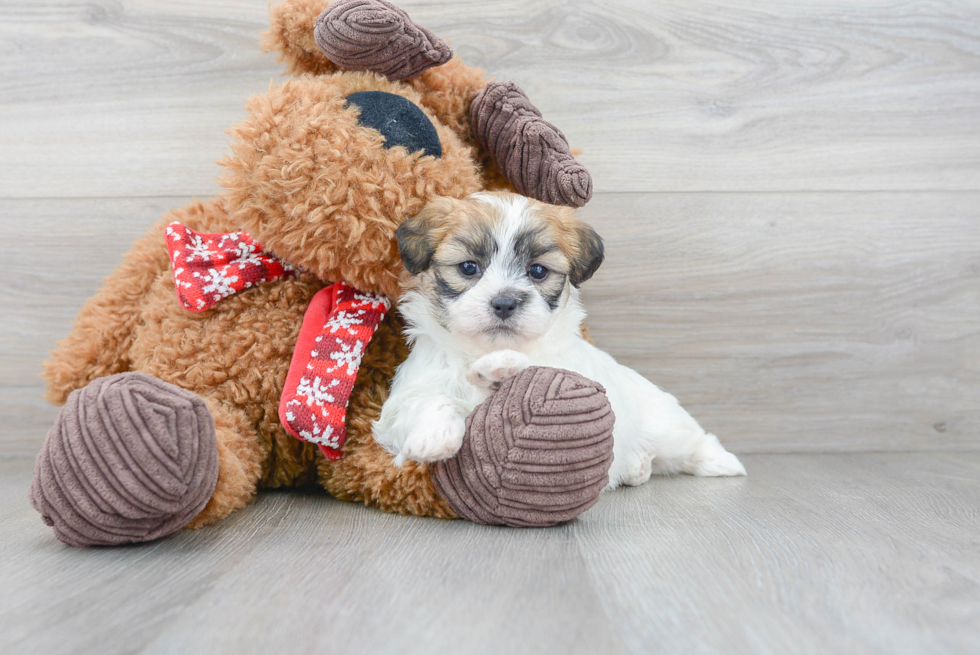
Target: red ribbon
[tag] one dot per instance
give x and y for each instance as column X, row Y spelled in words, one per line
column 336, row 330
column 210, row 267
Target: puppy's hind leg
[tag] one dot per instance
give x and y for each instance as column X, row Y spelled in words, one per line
column 655, row 429
column 711, row 460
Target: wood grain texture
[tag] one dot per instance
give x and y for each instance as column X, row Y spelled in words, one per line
column 800, row 322
column 65, row 248
column 860, row 553
column 127, row 98
column 790, row 196
column 783, row 322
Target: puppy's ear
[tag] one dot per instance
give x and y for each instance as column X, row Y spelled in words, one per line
column 589, row 253
column 419, row 236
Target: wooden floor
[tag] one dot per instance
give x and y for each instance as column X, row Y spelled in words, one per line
column 855, row 553
column 790, row 197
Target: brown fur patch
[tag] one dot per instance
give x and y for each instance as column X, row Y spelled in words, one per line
column 419, row 236
column 444, row 234
column 290, row 33
column 577, row 239
column 465, row 231
column 318, row 190
column 450, row 229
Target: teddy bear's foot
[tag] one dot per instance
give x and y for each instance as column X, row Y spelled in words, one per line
column 130, row 458
column 377, row 36
column 533, row 154
column 536, row 453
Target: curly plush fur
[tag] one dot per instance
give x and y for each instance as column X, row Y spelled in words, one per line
column 445, row 91
column 290, row 35
column 318, row 191
column 321, row 192
column 236, row 357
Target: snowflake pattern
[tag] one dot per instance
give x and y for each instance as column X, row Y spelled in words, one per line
column 344, row 320
column 370, row 300
column 313, row 406
column 210, row 267
column 316, row 433
column 196, row 248
column 316, row 391
column 349, row 356
column 215, row 283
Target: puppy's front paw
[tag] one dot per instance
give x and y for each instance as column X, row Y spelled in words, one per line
column 437, row 435
column 493, row 368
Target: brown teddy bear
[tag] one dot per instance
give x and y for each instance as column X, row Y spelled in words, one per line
column 178, row 371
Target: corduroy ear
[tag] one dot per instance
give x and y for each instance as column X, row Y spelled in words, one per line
column 590, row 254
column 419, row 236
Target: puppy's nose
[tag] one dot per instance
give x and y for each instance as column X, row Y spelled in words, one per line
column 504, row 306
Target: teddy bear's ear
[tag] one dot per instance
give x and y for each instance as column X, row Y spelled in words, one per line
column 419, row 236
column 291, row 34
column 317, row 36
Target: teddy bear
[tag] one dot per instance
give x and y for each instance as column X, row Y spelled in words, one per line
column 248, row 341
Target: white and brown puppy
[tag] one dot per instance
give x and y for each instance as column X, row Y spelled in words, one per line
column 494, row 289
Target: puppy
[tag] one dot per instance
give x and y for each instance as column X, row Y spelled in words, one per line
column 494, row 289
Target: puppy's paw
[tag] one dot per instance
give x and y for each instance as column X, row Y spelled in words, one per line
column 437, row 435
column 711, row 460
column 631, row 468
column 493, row 368
column 638, row 471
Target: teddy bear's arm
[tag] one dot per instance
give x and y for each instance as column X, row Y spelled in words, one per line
column 103, row 333
column 102, row 337
column 240, row 456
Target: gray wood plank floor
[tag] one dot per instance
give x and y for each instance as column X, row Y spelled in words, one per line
column 785, row 322
column 851, row 553
column 790, row 196
column 661, row 96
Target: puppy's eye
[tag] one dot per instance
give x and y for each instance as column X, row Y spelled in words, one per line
column 537, row 272
column 469, row 269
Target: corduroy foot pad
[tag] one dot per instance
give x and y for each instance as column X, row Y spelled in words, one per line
column 533, row 154
column 130, row 458
column 377, row 36
column 536, row 453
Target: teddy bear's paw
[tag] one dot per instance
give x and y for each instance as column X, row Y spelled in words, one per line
column 493, row 368
column 130, row 458
column 437, row 435
column 532, row 153
column 377, row 36
column 537, row 452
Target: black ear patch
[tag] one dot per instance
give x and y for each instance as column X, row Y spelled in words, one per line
column 415, row 245
column 418, row 238
column 591, row 254
column 400, row 122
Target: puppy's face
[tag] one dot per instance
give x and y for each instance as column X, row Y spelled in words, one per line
column 497, row 266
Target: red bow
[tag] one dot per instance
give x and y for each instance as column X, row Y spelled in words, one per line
column 337, row 327
column 210, row 267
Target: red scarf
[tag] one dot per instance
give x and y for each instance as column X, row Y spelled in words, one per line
column 337, row 327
